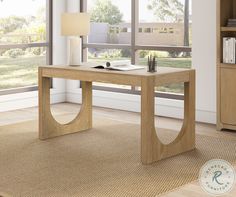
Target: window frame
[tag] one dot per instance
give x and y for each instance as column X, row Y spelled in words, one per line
column 134, row 47
column 47, row 44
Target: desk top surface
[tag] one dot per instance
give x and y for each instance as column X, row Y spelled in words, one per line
column 88, row 67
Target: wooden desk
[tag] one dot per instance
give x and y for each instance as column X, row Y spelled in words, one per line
column 152, row 149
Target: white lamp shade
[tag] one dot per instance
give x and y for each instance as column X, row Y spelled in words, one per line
column 75, row 24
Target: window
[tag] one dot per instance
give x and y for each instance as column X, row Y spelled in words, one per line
column 103, row 55
column 24, row 42
column 148, row 30
column 134, row 29
column 108, row 19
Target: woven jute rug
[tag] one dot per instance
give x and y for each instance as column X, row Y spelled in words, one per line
column 104, row 161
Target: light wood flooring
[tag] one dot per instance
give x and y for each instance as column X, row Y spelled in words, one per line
column 190, row 190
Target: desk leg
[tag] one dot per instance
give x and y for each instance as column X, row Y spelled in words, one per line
column 48, row 126
column 152, row 149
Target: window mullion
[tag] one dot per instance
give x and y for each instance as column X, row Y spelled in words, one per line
column 49, row 30
column 84, row 8
column 134, row 29
column 134, row 33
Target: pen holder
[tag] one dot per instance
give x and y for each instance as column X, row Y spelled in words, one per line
column 152, row 64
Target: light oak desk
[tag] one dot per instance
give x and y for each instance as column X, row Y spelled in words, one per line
column 152, row 149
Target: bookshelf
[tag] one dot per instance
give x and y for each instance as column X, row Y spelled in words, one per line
column 228, row 29
column 232, row 66
column 226, row 73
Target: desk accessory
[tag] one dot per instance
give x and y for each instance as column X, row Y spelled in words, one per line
column 124, row 65
column 152, row 64
column 75, row 25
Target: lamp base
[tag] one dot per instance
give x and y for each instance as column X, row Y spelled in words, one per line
column 74, row 52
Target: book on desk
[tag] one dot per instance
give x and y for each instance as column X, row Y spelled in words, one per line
column 119, row 66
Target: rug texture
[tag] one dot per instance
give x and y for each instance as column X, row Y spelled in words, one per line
column 104, row 161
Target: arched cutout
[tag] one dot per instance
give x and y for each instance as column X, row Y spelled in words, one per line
column 70, row 115
column 152, row 149
column 51, row 128
column 168, row 130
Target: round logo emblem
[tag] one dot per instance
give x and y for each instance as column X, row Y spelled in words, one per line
column 217, row 177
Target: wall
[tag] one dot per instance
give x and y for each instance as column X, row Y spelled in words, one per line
column 59, row 42
column 174, row 34
column 204, row 56
column 98, row 33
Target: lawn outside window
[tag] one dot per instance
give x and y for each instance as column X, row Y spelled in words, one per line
column 25, row 43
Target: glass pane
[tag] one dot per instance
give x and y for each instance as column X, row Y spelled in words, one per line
column 168, row 59
column 19, row 67
column 103, row 55
column 22, row 21
column 110, row 21
column 162, row 23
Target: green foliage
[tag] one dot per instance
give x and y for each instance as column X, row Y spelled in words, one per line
column 23, row 29
column 107, row 54
column 11, row 23
column 105, row 12
column 110, row 54
column 35, row 51
column 13, row 53
column 20, row 71
column 33, row 33
column 166, row 10
column 158, row 54
column 174, row 54
column 125, row 53
column 143, row 53
column 90, row 55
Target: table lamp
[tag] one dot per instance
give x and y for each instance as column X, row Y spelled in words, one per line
column 75, row 25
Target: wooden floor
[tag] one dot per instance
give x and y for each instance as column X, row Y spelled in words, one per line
column 191, row 190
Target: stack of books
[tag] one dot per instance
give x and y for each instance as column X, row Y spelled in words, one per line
column 231, row 23
column 229, row 50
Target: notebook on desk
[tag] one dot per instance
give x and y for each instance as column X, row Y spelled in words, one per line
column 119, row 65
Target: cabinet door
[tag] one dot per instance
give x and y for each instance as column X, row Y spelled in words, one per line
column 228, row 96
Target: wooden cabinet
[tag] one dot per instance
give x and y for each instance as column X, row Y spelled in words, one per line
column 228, row 96
column 226, row 73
